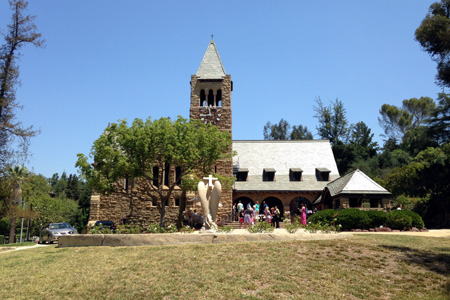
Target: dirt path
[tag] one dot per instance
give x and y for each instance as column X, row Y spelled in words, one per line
column 445, row 233
column 10, row 249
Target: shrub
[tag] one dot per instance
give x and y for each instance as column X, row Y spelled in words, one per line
column 171, row 228
column 352, row 218
column 2, row 239
column 155, row 228
column 323, row 216
column 377, row 218
column 324, row 228
column 398, row 221
column 224, row 229
column 99, row 230
column 187, row 229
column 416, row 219
column 292, row 227
column 123, row 229
column 261, row 227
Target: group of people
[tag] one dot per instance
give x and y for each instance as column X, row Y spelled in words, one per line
column 193, row 219
column 246, row 216
column 249, row 215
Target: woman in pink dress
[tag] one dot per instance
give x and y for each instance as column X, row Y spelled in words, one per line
column 303, row 216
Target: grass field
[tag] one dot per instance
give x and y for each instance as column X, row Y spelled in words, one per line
column 363, row 267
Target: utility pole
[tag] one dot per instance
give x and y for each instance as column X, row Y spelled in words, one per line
column 21, row 225
column 29, row 222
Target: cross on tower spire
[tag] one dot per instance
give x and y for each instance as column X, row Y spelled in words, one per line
column 212, row 36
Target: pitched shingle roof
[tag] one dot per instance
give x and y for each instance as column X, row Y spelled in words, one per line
column 211, row 66
column 355, row 182
column 306, row 155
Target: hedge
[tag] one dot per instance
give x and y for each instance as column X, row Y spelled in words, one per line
column 399, row 221
column 377, row 218
column 323, row 216
column 352, row 218
column 416, row 219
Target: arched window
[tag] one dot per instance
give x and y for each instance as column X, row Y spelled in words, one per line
column 219, row 98
column 155, row 176
column 166, row 174
column 178, row 175
column 202, row 98
column 211, row 98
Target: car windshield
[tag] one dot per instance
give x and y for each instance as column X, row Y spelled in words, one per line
column 59, row 226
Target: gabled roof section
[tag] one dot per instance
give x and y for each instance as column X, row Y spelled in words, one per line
column 355, row 182
column 211, row 66
column 283, row 156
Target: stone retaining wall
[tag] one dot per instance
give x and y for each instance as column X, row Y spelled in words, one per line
column 86, row 240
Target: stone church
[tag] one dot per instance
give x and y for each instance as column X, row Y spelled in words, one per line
column 282, row 173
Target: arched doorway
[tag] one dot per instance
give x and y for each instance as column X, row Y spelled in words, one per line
column 245, row 201
column 273, row 201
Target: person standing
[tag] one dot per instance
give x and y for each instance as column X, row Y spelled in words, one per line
column 303, row 215
column 264, row 206
column 248, row 217
column 276, row 217
column 268, row 215
column 234, row 213
column 240, row 208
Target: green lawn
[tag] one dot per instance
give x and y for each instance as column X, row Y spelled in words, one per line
column 363, row 267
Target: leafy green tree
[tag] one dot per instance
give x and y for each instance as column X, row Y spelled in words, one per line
column 362, row 135
column 282, row 131
column 60, row 187
column 426, row 176
column 15, row 176
column 278, row 131
column 73, row 187
column 434, row 37
column 53, row 210
column 133, row 151
column 333, row 124
column 440, row 120
column 396, row 121
column 20, row 32
column 301, row 133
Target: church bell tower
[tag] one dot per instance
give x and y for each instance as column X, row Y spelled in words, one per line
column 211, row 91
column 211, row 103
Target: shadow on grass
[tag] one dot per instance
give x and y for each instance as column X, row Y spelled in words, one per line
column 436, row 262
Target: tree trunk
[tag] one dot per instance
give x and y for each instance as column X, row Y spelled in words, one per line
column 12, row 231
column 162, row 212
column 181, row 210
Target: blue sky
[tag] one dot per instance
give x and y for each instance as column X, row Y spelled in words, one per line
column 109, row 60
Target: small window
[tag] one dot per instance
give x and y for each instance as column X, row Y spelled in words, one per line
column 177, row 201
column 295, row 174
column 269, row 174
column 166, row 202
column 166, row 174
column 178, row 175
column 242, row 174
column 155, row 176
column 322, row 174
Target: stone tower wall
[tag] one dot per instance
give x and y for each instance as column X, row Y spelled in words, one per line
column 224, row 167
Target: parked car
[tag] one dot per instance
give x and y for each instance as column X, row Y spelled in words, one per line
column 51, row 233
column 105, row 224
